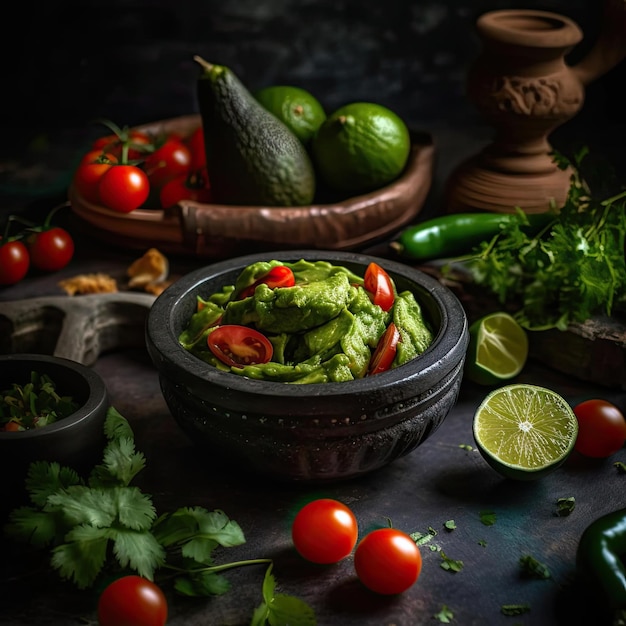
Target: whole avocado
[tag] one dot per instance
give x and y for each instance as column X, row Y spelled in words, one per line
column 252, row 157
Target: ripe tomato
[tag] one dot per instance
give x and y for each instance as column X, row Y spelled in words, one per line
column 279, row 276
column 324, row 531
column 195, row 143
column 87, row 178
column 169, row 160
column 387, row 561
column 124, row 188
column 237, row 345
column 385, row 351
column 50, row 249
column 185, row 187
column 379, row 284
column 132, row 601
column 601, row 428
column 14, row 261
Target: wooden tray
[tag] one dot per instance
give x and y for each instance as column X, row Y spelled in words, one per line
column 215, row 231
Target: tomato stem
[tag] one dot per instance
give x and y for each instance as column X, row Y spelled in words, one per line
column 217, row 568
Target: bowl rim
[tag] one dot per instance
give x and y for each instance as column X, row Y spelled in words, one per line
column 96, row 398
column 163, row 345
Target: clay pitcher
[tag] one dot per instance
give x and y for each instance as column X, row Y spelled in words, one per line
column 524, row 87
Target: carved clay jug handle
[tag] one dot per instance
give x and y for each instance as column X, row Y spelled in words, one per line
column 610, row 47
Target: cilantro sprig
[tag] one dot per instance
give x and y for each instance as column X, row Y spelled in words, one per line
column 573, row 269
column 104, row 525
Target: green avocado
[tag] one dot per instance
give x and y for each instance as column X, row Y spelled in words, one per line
column 252, row 157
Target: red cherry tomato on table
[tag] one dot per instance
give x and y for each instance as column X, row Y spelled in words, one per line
column 324, row 531
column 279, row 276
column 169, row 160
column 132, row 601
column 185, row 187
column 385, row 351
column 50, row 249
column 378, row 283
column 387, row 561
column 14, row 261
column 601, row 428
column 124, row 188
column 237, row 345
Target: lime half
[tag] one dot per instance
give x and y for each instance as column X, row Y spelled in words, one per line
column 497, row 350
column 525, row 432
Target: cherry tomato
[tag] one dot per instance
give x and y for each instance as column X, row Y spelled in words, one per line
column 385, row 351
column 87, row 178
column 279, row 276
column 387, row 561
column 124, row 188
column 193, row 186
column 378, row 283
column 169, row 160
column 195, row 143
column 50, row 249
column 132, row 601
column 324, row 531
column 601, row 428
column 98, row 156
column 237, row 345
column 14, row 261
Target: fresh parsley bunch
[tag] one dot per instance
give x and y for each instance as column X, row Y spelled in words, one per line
column 106, row 525
column 572, row 269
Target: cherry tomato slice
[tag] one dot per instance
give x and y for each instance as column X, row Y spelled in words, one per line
column 387, row 561
column 379, row 284
column 279, row 276
column 601, row 428
column 237, row 345
column 324, row 531
column 385, row 351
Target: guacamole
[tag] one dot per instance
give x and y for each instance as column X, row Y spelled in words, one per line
column 323, row 325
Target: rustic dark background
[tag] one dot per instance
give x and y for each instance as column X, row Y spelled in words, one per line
column 130, row 61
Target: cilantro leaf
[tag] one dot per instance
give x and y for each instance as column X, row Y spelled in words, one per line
column 202, row 583
column 120, row 464
column 44, row 479
column 532, row 568
column 31, row 525
column 139, row 550
column 445, row 615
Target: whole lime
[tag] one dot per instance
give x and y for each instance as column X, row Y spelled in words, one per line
column 298, row 109
column 360, row 147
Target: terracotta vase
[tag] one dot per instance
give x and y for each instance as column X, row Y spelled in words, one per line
column 524, row 87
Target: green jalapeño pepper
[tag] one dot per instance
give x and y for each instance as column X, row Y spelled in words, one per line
column 600, row 556
column 456, row 234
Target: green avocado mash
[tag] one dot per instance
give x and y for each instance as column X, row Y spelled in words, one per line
column 324, row 328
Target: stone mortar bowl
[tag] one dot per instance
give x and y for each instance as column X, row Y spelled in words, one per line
column 311, row 432
column 75, row 441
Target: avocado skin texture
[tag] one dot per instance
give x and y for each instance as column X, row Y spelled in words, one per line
column 252, row 157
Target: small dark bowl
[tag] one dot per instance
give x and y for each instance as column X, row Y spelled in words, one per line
column 319, row 432
column 75, row 441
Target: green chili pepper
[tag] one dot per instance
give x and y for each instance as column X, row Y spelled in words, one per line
column 457, row 234
column 600, row 555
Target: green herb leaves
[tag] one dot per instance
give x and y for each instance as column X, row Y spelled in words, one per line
column 571, row 270
column 34, row 404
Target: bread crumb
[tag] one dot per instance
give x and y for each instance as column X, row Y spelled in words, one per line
column 89, row 283
column 149, row 270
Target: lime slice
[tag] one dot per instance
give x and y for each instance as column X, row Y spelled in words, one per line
column 497, row 350
column 525, row 432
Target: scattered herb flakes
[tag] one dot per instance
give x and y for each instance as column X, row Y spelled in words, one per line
column 445, row 615
column 488, row 518
column 620, row 467
column 466, row 446
column 564, row 506
column 532, row 568
column 449, row 525
column 514, row 609
column 450, row 565
column 482, row 543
